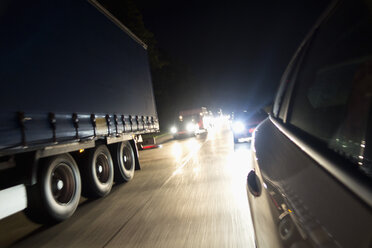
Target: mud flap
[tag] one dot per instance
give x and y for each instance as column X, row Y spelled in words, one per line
column 136, row 154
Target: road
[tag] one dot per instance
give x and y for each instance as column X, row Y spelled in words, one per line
column 189, row 193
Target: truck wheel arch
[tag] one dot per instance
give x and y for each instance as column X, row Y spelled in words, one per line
column 136, row 154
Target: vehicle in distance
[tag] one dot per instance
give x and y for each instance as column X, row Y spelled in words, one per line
column 312, row 183
column 76, row 92
column 192, row 122
column 244, row 123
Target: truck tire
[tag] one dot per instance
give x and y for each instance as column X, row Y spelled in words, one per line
column 124, row 161
column 56, row 195
column 97, row 172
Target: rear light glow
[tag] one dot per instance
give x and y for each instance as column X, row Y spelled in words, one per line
column 251, row 130
column 150, row 147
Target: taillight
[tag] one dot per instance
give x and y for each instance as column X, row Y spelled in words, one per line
column 251, row 130
column 150, row 147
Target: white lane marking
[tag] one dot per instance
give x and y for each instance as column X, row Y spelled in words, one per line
column 186, row 159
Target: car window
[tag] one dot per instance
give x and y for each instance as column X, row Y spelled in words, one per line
column 332, row 97
column 286, row 85
column 280, row 94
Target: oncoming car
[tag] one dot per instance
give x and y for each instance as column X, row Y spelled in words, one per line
column 244, row 124
column 311, row 185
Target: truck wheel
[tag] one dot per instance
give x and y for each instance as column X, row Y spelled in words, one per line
column 124, row 161
column 97, row 172
column 56, row 195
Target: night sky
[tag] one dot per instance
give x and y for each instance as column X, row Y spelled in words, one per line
column 236, row 50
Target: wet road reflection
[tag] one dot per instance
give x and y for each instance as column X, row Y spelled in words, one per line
column 189, row 193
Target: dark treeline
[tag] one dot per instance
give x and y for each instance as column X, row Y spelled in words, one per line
column 172, row 80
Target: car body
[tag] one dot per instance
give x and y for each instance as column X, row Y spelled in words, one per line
column 185, row 127
column 244, row 123
column 201, row 116
column 192, row 122
column 311, row 183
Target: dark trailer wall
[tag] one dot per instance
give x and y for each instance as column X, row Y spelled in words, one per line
column 66, row 57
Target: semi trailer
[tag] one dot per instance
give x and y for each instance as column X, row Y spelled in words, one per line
column 76, row 94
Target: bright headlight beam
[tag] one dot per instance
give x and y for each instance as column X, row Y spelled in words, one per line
column 190, row 127
column 238, row 127
column 173, row 130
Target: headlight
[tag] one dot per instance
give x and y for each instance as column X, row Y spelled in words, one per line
column 238, row 127
column 173, row 130
column 190, row 127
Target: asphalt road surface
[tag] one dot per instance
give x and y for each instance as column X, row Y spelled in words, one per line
column 189, row 193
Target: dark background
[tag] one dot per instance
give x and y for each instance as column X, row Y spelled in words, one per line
column 217, row 54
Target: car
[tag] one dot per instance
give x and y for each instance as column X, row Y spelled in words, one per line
column 244, row 123
column 311, row 182
column 192, row 122
column 187, row 126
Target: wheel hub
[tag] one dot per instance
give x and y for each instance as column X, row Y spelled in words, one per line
column 102, row 168
column 63, row 183
column 59, row 184
column 127, row 159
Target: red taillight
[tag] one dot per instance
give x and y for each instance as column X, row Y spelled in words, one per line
column 150, row 147
column 251, row 130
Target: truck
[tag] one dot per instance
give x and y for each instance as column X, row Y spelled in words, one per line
column 76, row 94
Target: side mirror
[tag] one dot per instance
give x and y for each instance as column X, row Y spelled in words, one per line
column 254, row 183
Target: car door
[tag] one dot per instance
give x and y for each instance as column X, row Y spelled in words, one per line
column 311, row 184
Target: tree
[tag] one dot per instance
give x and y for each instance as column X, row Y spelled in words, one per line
column 171, row 80
column 127, row 12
